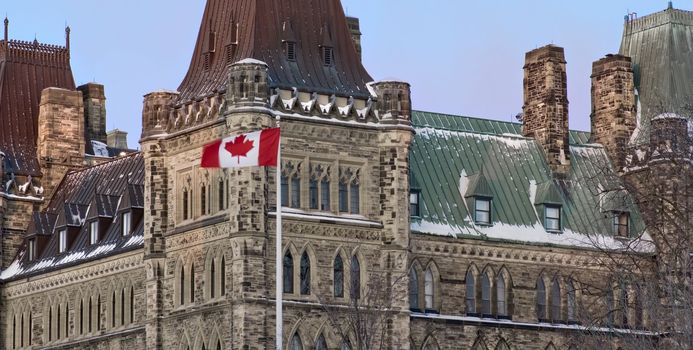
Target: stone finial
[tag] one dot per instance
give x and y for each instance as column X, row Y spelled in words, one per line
column 546, row 105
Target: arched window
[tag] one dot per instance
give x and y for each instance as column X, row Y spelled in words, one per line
column 355, row 197
column 624, row 305
column 90, row 317
column 502, row 345
column 413, row 289
column 288, row 273
column 541, row 299
column 218, row 345
column 313, row 193
column 610, row 307
column 285, row 190
column 192, row 282
column 185, row 204
column 122, row 307
column 321, row 344
column 555, row 301
column 345, row 345
column 296, row 191
column 296, row 343
column 222, row 195
column 14, row 332
column 305, row 274
column 182, row 284
column 81, row 316
column 571, row 301
column 355, row 278
column 428, row 289
column 98, row 312
column 638, row 307
column 338, row 276
column 113, row 310
column 203, row 200
column 343, row 197
column 502, row 306
column 485, row 294
column 470, row 290
column 132, row 304
column 212, row 279
column 222, row 280
column 325, row 194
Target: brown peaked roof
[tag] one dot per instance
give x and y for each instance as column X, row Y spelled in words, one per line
column 233, row 30
column 26, row 68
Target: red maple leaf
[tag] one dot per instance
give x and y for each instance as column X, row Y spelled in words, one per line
column 239, row 147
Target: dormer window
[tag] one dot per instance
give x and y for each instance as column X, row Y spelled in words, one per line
column 328, row 56
column 482, row 211
column 94, row 232
column 552, row 218
column 62, row 241
column 31, row 249
column 127, row 222
column 290, row 50
column 414, row 197
column 620, row 224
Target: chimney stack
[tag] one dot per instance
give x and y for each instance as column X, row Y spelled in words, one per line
column 117, row 139
column 613, row 106
column 355, row 30
column 546, row 105
column 94, row 112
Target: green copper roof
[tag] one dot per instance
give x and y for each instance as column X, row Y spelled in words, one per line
column 661, row 46
column 447, row 158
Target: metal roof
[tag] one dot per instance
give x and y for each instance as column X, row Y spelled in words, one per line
column 661, row 48
column 449, row 152
column 26, row 68
column 240, row 29
column 113, row 187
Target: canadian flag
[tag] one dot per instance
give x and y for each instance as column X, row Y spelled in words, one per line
column 258, row 148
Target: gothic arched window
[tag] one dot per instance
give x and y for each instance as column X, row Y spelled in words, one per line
column 321, row 344
column 413, row 289
column 571, row 300
column 296, row 343
column 355, row 278
column 555, row 301
column 428, row 289
column 541, row 299
column 502, row 306
column 288, row 273
column 485, row 294
column 305, row 274
column 338, row 275
column 470, row 290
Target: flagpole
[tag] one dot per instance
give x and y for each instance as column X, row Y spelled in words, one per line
column 278, row 263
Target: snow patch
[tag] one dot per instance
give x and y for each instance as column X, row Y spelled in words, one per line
column 510, row 140
column 251, row 61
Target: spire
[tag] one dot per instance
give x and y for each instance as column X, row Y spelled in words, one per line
column 67, row 39
column 7, row 30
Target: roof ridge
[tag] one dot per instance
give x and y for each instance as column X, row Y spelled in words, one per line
column 480, row 119
column 129, row 155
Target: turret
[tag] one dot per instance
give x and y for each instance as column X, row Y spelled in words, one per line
column 247, row 84
column 394, row 102
column 156, row 112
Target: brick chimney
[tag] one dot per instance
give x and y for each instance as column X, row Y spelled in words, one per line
column 94, row 112
column 355, row 30
column 613, row 106
column 546, row 105
column 117, row 139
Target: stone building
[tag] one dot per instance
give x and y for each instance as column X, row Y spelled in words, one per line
column 465, row 233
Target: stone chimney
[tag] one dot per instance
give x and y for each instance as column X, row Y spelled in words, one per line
column 355, row 30
column 546, row 105
column 60, row 142
column 613, row 106
column 94, row 112
column 117, row 139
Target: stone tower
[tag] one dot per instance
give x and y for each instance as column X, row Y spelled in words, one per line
column 546, row 105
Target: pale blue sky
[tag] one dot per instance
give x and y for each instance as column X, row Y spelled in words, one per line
column 461, row 57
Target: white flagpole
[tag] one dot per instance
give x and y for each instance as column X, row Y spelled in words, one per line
column 278, row 263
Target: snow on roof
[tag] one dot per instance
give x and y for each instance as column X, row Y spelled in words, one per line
column 251, row 61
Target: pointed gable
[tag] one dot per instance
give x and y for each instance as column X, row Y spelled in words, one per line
column 258, row 29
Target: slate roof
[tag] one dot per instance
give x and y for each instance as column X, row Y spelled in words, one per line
column 258, row 29
column 26, row 68
column 449, row 152
column 661, row 47
column 102, row 191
